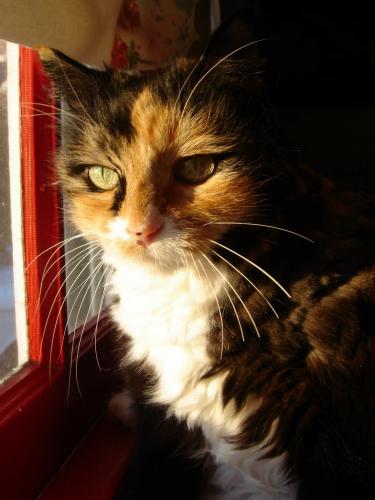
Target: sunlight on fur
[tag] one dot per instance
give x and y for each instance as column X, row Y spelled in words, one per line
column 206, row 232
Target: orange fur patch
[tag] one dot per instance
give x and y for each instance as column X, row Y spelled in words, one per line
column 160, row 138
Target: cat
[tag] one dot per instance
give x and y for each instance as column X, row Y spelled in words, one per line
column 244, row 284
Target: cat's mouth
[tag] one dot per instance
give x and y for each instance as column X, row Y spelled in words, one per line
column 165, row 245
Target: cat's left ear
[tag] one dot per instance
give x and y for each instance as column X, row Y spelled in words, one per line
column 77, row 83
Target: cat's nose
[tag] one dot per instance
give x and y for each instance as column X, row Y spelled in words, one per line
column 145, row 234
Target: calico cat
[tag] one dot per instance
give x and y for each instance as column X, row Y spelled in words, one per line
column 244, row 284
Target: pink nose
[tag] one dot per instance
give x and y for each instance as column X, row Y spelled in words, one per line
column 145, row 234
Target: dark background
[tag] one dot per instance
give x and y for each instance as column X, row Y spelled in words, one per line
column 320, row 76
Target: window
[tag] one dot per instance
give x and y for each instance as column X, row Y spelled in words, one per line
column 13, row 338
column 34, row 414
column 8, row 343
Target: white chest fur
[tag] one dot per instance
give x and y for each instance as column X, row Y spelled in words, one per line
column 168, row 317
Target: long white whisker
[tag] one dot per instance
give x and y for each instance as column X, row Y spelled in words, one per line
column 59, row 244
column 249, row 281
column 32, row 104
column 57, row 110
column 47, row 267
column 70, row 313
column 100, row 310
column 63, row 256
column 263, row 225
column 74, row 91
column 81, row 259
column 217, row 303
column 77, row 289
column 215, row 66
column 184, row 258
column 254, row 265
column 235, row 291
column 27, row 104
column 32, row 115
column 62, row 270
column 96, row 271
column 235, row 312
column 64, row 301
column 187, row 80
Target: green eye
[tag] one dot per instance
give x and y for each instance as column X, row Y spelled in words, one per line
column 196, row 169
column 103, row 177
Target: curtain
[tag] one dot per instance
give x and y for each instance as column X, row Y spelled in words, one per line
column 143, row 33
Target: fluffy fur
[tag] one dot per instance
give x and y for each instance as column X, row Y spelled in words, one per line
column 259, row 338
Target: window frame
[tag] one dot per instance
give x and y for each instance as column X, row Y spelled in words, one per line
column 38, row 427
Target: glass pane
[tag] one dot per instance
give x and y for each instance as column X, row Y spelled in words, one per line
column 13, row 344
column 8, row 340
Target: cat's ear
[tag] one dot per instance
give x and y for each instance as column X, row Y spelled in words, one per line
column 235, row 44
column 76, row 83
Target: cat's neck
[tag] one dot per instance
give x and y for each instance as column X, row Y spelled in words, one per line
column 178, row 304
column 132, row 277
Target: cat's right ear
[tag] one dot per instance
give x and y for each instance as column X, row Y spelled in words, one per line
column 76, row 83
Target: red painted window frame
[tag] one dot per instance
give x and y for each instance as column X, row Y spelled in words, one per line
column 38, row 428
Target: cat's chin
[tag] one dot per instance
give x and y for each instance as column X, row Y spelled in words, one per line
column 162, row 258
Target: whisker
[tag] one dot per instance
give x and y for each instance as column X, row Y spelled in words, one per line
column 249, row 281
column 254, row 265
column 57, row 110
column 100, row 310
column 58, row 244
column 187, row 80
column 47, row 267
column 90, row 278
column 64, row 301
column 32, row 115
column 215, row 66
column 78, row 288
column 34, row 103
column 96, row 271
column 184, row 258
column 263, row 225
column 65, row 332
column 235, row 312
column 235, row 291
column 63, row 256
column 74, row 91
column 81, row 259
column 62, row 270
column 216, row 299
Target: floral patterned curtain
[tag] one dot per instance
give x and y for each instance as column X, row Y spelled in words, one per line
column 129, row 33
column 149, row 33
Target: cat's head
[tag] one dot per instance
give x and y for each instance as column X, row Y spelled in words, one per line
column 151, row 161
